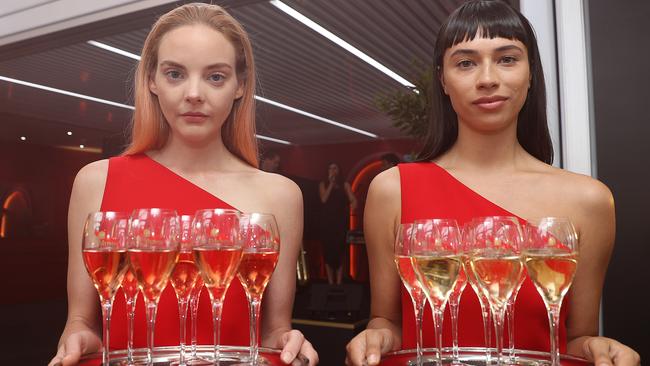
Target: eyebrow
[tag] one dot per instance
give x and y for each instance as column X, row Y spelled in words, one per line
column 466, row 51
column 218, row 65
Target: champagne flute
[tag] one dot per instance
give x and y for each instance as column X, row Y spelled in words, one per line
column 551, row 256
column 510, row 313
column 130, row 289
column 261, row 250
column 195, row 295
column 436, row 261
column 153, row 251
column 496, row 262
column 103, row 248
column 483, row 301
column 184, row 277
column 454, row 304
column 407, row 274
column 217, row 253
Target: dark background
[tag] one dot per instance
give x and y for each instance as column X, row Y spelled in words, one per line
column 621, row 87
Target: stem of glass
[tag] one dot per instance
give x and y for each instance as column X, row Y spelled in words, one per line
column 553, row 320
column 419, row 302
column 194, row 309
column 254, row 312
column 106, row 315
column 487, row 330
column 152, row 307
column 437, row 325
column 182, row 312
column 499, row 314
column 217, row 306
column 453, row 309
column 510, row 313
column 130, row 312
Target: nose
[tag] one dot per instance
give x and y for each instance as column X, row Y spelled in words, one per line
column 487, row 78
column 193, row 91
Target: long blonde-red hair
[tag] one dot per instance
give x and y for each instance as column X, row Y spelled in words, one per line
column 149, row 130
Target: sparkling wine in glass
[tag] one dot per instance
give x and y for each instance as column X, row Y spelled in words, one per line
column 261, row 250
column 103, row 249
column 153, row 250
column 497, row 265
column 217, row 252
column 130, row 290
column 402, row 252
column 437, row 262
column 183, row 277
column 551, row 257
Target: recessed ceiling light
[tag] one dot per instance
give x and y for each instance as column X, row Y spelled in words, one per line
column 340, row 42
column 69, row 133
column 81, row 146
column 261, row 99
column 23, row 138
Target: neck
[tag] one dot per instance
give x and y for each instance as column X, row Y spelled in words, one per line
column 494, row 151
column 191, row 158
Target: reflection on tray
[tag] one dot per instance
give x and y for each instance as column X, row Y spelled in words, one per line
column 476, row 356
column 165, row 356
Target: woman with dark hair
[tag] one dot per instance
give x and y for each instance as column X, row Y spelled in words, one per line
column 335, row 197
column 487, row 154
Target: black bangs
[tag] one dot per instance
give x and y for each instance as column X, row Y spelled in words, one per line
column 485, row 19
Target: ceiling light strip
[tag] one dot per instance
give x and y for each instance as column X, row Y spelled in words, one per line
column 114, row 50
column 261, row 99
column 65, row 92
column 310, row 115
column 273, row 140
column 82, row 96
column 340, row 42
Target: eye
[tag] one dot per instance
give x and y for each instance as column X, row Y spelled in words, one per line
column 465, row 64
column 217, row 78
column 508, row 60
column 173, row 74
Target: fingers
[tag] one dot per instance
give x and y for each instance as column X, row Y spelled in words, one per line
column 308, row 351
column 56, row 360
column 367, row 347
column 291, row 344
column 608, row 352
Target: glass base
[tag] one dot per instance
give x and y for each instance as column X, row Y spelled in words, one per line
column 476, row 356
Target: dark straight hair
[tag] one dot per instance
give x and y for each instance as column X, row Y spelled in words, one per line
column 491, row 19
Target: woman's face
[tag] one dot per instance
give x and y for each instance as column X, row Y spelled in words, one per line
column 196, row 82
column 487, row 81
column 333, row 170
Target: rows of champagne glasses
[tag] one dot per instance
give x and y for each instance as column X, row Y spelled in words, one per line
column 146, row 250
column 436, row 258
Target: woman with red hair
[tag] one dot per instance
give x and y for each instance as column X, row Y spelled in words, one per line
column 193, row 146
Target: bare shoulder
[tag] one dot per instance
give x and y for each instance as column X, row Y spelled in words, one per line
column 386, row 185
column 583, row 190
column 92, row 176
column 275, row 186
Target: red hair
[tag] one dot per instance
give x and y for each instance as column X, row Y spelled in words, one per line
column 149, row 129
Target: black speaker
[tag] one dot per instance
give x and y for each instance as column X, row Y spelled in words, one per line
column 336, row 302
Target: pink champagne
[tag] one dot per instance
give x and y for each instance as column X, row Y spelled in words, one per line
column 497, row 277
column 255, row 270
column 552, row 274
column 130, row 284
column 407, row 274
column 184, row 274
column 152, row 269
column 106, row 268
column 218, row 266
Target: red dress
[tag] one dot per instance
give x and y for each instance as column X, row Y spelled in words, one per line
column 429, row 191
column 139, row 182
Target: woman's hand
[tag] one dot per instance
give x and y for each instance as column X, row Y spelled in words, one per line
column 368, row 346
column 76, row 344
column 296, row 348
column 608, row 352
